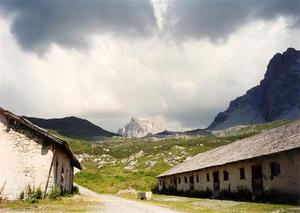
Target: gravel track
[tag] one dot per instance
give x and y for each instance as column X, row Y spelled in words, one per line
column 114, row 204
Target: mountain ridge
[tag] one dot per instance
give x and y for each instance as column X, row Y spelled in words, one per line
column 172, row 134
column 276, row 97
column 72, row 127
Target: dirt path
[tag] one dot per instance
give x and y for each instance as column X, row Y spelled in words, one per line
column 114, row 204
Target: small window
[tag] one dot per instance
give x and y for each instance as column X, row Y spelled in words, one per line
column 207, row 177
column 242, row 173
column 225, row 175
column 185, row 179
column 179, row 180
column 275, row 169
column 197, row 178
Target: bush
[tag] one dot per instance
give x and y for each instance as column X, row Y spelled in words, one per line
column 274, row 196
column 203, row 193
column 55, row 193
column 243, row 193
column 75, row 190
column 155, row 190
column 38, row 194
column 225, row 194
column 31, row 194
column 22, row 195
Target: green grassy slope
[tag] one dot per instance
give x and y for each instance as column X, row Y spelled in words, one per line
column 251, row 129
column 122, row 163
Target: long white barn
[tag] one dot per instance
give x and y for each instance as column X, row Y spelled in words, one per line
column 269, row 161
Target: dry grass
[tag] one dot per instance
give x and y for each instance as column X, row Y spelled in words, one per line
column 195, row 205
column 76, row 203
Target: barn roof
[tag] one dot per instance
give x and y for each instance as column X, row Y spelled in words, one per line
column 269, row 142
column 42, row 132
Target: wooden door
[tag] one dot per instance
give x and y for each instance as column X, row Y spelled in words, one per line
column 257, row 180
column 192, row 183
column 216, row 182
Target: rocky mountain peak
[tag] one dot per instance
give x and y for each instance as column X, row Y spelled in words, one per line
column 277, row 96
column 142, row 127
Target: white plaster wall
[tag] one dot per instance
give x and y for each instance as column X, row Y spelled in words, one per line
column 287, row 182
column 22, row 161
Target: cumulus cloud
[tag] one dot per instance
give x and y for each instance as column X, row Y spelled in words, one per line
column 217, row 19
column 134, row 64
column 117, row 78
column 38, row 24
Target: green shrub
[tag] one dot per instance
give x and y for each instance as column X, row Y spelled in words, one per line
column 225, row 194
column 274, row 196
column 203, row 193
column 75, row 190
column 29, row 191
column 38, row 194
column 55, row 193
column 243, row 193
column 22, row 195
column 31, row 194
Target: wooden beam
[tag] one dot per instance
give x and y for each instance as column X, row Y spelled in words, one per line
column 2, row 188
column 50, row 169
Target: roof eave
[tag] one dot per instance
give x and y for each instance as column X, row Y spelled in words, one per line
column 274, row 153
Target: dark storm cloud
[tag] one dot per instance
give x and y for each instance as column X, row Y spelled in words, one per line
column 39, row 23
column 216, row 19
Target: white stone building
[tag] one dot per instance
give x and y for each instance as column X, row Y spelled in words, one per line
column 269, row 161
column 31, row 156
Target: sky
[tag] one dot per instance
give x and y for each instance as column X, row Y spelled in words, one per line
column 110, row 60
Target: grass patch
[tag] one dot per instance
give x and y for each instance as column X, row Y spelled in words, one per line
column 77, row 146
column 194, row 205
column 253, row 129
column 65, row 204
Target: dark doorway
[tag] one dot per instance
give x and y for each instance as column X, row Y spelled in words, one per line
column 216, row 183
column 192, row 183
column 257, row 180
column 175, row 183
column 62, row 180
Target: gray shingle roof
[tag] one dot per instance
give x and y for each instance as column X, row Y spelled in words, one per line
column 269, row 142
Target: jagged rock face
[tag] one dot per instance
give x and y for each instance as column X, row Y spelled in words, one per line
column 142, row 127
column 277, row 97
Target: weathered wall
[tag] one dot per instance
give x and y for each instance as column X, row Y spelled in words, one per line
column 23, row 161
column 63, row 171
column 289, row 178
column 26, row 159
column 288, row 181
